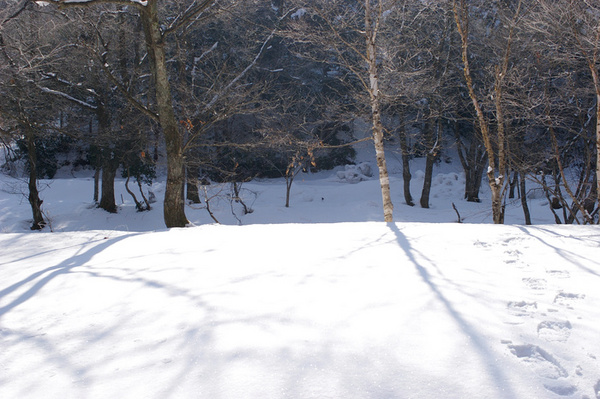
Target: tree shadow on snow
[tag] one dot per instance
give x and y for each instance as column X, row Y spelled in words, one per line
column 41, row 278
column 569, row 256
column 502, row 381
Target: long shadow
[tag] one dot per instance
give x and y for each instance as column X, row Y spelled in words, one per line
column 468, row 330
column 16, row 242
column 52, row 272
column 560, row 252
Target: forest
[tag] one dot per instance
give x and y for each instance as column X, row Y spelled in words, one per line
column 232, row 90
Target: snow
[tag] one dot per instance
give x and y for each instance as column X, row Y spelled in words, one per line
column 298, row 14
column 319, row 300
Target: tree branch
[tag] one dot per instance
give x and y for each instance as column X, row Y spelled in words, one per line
column 80, row 3
column 189, row 14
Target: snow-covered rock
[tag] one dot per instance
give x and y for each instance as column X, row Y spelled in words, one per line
column 356, row 173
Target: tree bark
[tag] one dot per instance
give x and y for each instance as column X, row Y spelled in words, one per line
column 371, row 28
column 596, row 79
column 192, row 194
column 496, row 183
column 473, row 162
column 96, row 184
column 174, row 203
column 109, row 172
column 524, row 204
column 406, row 175
column 34, row 197
column 432, row 144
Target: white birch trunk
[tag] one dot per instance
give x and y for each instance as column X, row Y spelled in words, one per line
column 384, row 180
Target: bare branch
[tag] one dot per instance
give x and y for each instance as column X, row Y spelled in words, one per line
column 192, row 12
column 80, row 3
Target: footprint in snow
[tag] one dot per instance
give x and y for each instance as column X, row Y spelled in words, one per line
column 554, row 331
column 521, row 308
column 567, row 299
column 513, row 257
column 546, row 366
column 561, row 390
column 540, row 361
column 558, row 273
column 535, row 283
column 512, row 240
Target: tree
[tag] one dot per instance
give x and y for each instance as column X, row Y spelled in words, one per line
column 156, row 32
column 25, row 49
column 492, row 127
column 418, row 47
column 569, row 32
column 345, row 35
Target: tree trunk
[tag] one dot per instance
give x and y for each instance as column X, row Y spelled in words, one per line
column 384, row 180
column 174, row 203
column 474, row 175
column 597, row 85
column 138, row 204
column 496, row 183
column 513, row 184
column 524, row 204
column 405, row 165
column 34, row 198
column 432, row 147
column 109, row 172
column 473, row 162
column 192, row 194
column 96, row 184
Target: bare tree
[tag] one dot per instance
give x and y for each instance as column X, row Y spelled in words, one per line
column 347, row 34
column 156, row 31
column 25, row 49
column 493, row 129
column 569, row 32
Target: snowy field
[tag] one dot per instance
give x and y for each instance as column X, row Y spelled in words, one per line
column 319, row 300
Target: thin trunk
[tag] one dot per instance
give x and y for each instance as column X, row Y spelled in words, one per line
column 473, row 162
column 138, row 204
column 372, row 28
column 546, row 189
column 496, row 183
column 146, row 201
column 513, row 184
column 174, row 204
column 289, row 179
column 34, row 197
column 597, row 84
column 405, row 164
column 577, row 204
column 523, row 190
column 97, row 184
column 432, row 144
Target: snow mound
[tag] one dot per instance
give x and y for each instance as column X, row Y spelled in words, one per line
column 356, row 173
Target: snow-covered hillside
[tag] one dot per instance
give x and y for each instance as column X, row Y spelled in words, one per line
column 316, row 198
column 319, row 300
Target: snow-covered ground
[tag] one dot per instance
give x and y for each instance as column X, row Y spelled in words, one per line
column 319, row 300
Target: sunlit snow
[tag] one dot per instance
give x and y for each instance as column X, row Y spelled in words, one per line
column 319, row 300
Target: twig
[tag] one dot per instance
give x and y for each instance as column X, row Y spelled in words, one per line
column 457, row 214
